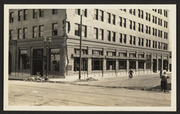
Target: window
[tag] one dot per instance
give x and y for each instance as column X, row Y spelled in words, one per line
column 140, row 13
column 134, row 25
column 84, row 12
column 35, row 13
column 141, row 65
column 165, row 13
column 54, row 59
column 54, row 11
column 101, row 34
column 165, row 35
column 24, row 33
column 95, row 14
column 41, row 12
column 97, row 64
column 10, row 34
column 109, row 35
column 11, row 17
column 147, row 43
column 97, row 52
column 84, row 31
column 134, row 12
column 83, row 64
column 139, row 41
column 110, row 64
column 124, row 22
column 96, row 33
column 132, row 64
column 130, row 26
column 101, row 15
column 77, row 30
column 120, row 21
column 149, row 30
column 125, row 38
column 109, row 18
column 114, row 36
column 41, row 29
column 142, row 29
column 23, row 60
column 130, row 39
column 35, row 32
column 130, row 11
column 25, row 14
column 134, row 40
column 122, row 64
column 142, row 42
column 19, row 33
column 139, row 27
column 120, row 37
column 20, row 17
column 165, row 24
column 160, row 11
column 54, row 29
column 114, row 19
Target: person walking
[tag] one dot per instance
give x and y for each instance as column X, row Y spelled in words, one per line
column 130, row 73
column 164, row 78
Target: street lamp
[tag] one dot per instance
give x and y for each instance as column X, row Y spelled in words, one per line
column 47, row 44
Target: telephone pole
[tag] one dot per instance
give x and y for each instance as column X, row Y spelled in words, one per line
column 80, row 47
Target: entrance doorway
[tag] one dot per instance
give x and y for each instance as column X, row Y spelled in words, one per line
column 154, row 65
column 37, row 62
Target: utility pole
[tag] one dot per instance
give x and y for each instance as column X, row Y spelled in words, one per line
column 80, row 47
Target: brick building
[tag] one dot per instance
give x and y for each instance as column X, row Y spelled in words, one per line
column 113, row 41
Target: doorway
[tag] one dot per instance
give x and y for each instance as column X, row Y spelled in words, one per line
column 154, row 65
column 37, row 62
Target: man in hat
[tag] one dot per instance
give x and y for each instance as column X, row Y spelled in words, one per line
column 164, row 82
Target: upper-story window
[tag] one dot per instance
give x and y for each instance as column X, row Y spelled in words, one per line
column 159, row 21
column 24, row 33
column 96, row 33
column 113, row 19
column 25, row 14
column 160, row 11
column 114, row 36
column 95, row 14
column 35, row 13
column 81, row 11
column 77, row 30
column 165, row 13
column 120, row 21
column 134, row 12
column 41, row 30
column 10, row 34
column 125, row 22
column 11, row 17
column 130, row 39
column 54, row 11
column 165, row 35
column 109, row 35
column 101, row 34
column 165, row 24
column 20, row 15
column 101, row 15
column 125, row 38
column 120, row 37
column 130, row 25
column 140, row 13
column 54, row 29
column 41, row 12
column 108, row 17
column 148, row 16
column 19, row 35
column 35, row 32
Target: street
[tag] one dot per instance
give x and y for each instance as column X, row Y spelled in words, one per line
column 23, row 93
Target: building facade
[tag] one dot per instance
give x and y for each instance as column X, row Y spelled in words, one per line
column 113, row 41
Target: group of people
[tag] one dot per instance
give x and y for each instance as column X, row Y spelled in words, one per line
column 163, row 77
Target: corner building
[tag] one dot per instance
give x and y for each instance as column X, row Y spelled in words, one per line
column 113, row 41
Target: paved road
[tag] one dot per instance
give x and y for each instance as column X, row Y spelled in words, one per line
column 55, row 94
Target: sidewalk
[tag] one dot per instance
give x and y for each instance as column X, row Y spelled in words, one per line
column 142, row 82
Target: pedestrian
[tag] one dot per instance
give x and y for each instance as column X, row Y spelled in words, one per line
column 130, row 73
column 164, row 78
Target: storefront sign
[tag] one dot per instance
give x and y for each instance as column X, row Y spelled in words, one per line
column 55, row 50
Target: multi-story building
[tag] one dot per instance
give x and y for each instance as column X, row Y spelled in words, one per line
column 113, row 41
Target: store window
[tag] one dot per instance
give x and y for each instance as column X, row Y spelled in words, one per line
column 111, row 64
column 23, row 60
column 97, row 64
column 83, row 64
column 141, row 65
column 132, row 64
column 122, row 64
column 54, row 59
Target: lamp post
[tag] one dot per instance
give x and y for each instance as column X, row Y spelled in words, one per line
column 47, row 43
